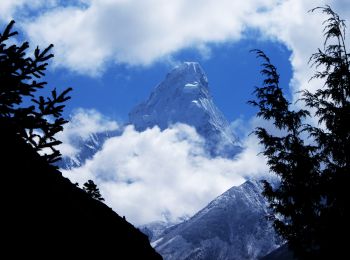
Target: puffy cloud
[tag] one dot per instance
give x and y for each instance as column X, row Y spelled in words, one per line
column 11, row 8
column 87, row 37
column 8, row 7
column 299, row 30
column 82, row 124
column 92, row 33
column 88, row 34
column 150, row 175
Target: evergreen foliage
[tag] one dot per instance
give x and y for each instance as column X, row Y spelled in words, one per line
column 36, row 122
column 310, row 205
column 91, row 188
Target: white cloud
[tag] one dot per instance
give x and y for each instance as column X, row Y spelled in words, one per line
column 90, row 34
column 302, row 32
column 146, row 175
column 8, row 7
column 138, row 32
column 87, row 38
column 82, row 124
column 19, row 8
column 299, row 30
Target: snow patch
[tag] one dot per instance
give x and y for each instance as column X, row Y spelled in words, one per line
column 155, row 243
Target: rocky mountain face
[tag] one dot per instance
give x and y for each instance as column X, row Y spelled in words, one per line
column 154, row 230
column 87, row 147
column 184, row 97
column 232, row 226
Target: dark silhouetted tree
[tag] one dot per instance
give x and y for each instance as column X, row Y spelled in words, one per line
column 310, row 205
column 38, row 120
column 42, row 208
column 91, row 188
column 295, row 162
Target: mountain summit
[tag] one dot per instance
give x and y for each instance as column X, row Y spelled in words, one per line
column 184, row 97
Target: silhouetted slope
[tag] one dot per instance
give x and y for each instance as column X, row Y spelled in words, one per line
column 45, row 215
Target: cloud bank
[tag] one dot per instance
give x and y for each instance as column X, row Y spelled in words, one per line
column 81, row 125
column 90, row 34
column 164, row 175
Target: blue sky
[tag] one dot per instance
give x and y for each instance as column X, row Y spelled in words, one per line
column 114, row 52
column 113, row 56
column 116, row 72
column 231, row 69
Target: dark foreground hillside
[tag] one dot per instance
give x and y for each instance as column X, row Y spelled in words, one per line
column 45, row 215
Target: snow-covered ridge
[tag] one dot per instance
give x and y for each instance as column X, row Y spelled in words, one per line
column 184, row 97
column 232, row 226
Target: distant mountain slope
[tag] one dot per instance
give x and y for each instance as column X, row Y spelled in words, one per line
column 155, row 229
column 45, row 216
column 87, row 148
column 233, row 226
column 184, row 97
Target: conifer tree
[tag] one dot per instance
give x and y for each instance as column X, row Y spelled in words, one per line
column 35, row 119
column 289, row 157
column 91, row 188
column 310, row 205
column 332, row 105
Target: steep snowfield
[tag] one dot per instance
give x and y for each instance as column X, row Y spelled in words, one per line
column 232, row 226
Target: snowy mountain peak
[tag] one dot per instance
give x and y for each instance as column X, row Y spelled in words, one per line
column 184, row 97
column 190, row 71
column 187, row 80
